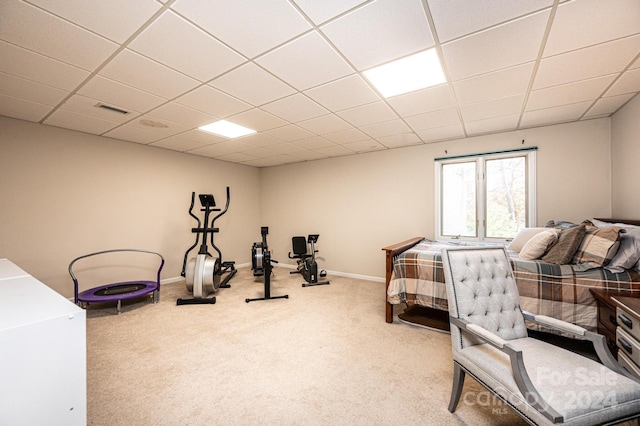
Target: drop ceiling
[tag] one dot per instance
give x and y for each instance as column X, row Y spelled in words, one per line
column 293, row 70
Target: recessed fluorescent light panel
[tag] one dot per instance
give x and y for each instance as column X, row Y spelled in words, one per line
column 227, row 129
column 407, row 74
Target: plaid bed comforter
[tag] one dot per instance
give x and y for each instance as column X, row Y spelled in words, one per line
column 559, row 291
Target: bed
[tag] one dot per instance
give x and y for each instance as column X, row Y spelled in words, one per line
column 414, row 277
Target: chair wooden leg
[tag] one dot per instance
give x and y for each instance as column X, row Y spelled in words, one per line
column 456, row 387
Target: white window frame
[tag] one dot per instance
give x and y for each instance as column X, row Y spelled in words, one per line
column 481, row 159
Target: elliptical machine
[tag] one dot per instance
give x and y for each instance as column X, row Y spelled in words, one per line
column 307, row 265
column 261, row 265
column 203, row 274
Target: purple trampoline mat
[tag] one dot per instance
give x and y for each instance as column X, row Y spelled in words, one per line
column 118, row 291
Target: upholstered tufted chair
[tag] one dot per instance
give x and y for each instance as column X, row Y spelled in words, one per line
column 543, row 383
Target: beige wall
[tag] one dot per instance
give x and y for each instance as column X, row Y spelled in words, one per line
column 66, row 193
column 360, row 204
column 625, row 152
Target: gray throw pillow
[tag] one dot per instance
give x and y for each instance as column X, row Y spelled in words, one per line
column 569, row 240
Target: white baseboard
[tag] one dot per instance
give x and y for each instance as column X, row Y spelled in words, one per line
column 179, row 278
column 341, row 274
column 289, row 266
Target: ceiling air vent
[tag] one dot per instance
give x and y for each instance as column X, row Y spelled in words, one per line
column 112, row 108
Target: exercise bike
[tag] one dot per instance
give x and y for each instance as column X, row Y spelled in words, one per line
column 261, row 265
column 203, row 274
column 307, row 265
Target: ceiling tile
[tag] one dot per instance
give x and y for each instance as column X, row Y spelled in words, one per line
column 306, row 62
column 21, row 109
column 607, row 106
column 253, row 85
column 366, row 145
column 178, row 113
column 368, row 114
column 558, row 114
column 135, row 70
column 238, row 157
column 181, row 63
column 314, row 142
column 388, row 128
column 117, row 94
column 261, row 140
column 380, row 31
column 594, row 61
column 325, row 124
column 335, row 151
column 427, row 120
column 584, row 23
column 308, row 155
column 320, row 12
column 344, row 93
column 212, row 101
column 289, row 133
column 116, row 20
column 276, row 160
column 456, row 18
column 345, row 137
column 425, row 100
column 261, row 152
column 494, row 108
column 568, row 93
column 507, row 45
column 295, row 108
column 228, row 146
column 36, row 67
column 493, row 124
column 435, row 134
column 180, row 45
column 398, row 140
column 250, row 27
column 63, row 41
column 87, row 107
column 82, row 123
column 30, row 91
column 179, row 143
column 627, row 83
column 495, row 85
column 257, row 120
column 286, row 148
column 134, row 132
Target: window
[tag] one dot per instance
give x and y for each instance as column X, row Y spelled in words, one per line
column 485, row 196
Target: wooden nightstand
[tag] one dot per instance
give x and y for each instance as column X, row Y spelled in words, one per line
column 607, row 322
column 628, row 333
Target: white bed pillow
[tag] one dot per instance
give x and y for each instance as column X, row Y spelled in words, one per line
column 523, row 236
column 538, row 245
column 628, row 253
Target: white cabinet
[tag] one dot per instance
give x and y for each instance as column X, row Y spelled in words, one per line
column 43, row 361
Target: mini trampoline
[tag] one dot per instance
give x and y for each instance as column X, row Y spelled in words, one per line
column 118, row 291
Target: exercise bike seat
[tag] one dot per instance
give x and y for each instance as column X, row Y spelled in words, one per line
column 299, row 245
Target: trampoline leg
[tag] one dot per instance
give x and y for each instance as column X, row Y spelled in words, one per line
column 118, row 307
column 156, row 296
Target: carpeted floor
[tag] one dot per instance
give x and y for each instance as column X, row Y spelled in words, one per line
column 324, row 356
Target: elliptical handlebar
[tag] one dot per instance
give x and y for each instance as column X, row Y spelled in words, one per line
column 214, row 230
column 186, row 254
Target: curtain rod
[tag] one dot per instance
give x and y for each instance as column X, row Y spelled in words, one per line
column 532, row 148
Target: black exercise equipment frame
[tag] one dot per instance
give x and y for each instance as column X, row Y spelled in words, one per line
column 267, row 269
column 208, row 206
column 307, row 265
